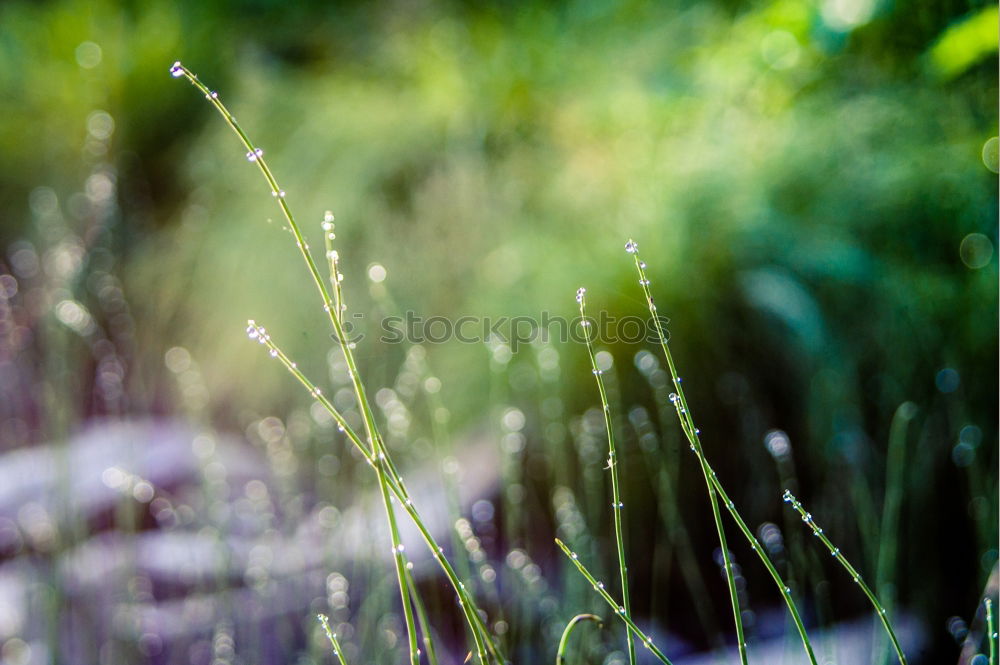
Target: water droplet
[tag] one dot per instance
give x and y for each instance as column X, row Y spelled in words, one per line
column 579, row 294
column 177, row 70
column 631, row 247
column 254, row 155
column 274, row 353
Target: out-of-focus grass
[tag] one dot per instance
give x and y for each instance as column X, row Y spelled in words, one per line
column 815, row 194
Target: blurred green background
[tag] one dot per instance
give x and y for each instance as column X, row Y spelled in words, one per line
column 813, row 184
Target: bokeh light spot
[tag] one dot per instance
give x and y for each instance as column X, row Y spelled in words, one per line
column 991, row 154
column 88, row 55
column 947, row 380
column 976, row 250
column 780, row 49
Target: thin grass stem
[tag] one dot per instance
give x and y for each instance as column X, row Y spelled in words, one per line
column 991, row 631
column 617, row 506
column 880, row 611
column 619, row 610
column 472, row 616
column 333, row 308
column 687, row 424
column 406, row 590
column 330, row 635
column 564, row 640
column 422, row 618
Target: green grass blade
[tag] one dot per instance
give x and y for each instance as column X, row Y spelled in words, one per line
column 425, row 624
column 390, row 479
column 564, row 640
column 991, row 631
column 617, row 506
column 619, row 611
column 688, row 425
column 880, row 611
column 330, row 635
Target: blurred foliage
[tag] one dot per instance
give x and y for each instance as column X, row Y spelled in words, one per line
column 812, row 185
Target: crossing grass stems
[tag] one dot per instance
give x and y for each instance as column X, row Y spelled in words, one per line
column 372, row 446
column 393, row 491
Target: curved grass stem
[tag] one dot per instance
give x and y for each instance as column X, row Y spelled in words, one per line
column 330, row 635
column 617, row 506
column 390, row 480
column 691, row 432
column 715, row 489
column 880, row 611
column 564, row 640
column 619, row 611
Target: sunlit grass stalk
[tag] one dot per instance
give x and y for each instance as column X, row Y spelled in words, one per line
column 442, row 437
column 564, row 640
column 422, row 618
column 399, row 561
column 991, row 631
column 880, row 611
column 407, row 591
column 330, row 635
column 692, row 435
column 618, row 609
column 715, row 489
column 378, row 456
column 334, row 308
column 468, row 609
column 617, row 507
